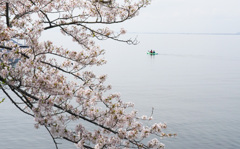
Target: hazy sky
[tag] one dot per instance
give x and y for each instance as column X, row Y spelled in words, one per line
column 192, row 16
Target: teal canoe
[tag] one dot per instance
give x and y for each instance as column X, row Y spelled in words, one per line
column 152, row 53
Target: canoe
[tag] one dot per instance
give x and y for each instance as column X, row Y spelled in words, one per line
column 152, row 53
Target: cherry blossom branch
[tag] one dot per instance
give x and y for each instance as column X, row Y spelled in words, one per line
column 82, row 117
column 7, row 15
column 26, row 101
column 4, row 47
column 61, row 94
column 6, row 93
column 54, row 140
column 57, row 106
column 9, row 48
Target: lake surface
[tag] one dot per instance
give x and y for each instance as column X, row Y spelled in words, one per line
column 193, row 85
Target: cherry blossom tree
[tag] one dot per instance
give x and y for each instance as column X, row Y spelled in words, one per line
column 49, row 82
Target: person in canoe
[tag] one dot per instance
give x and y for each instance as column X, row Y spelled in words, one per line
column 151, row 51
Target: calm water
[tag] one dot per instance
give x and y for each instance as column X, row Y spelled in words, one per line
column 193, row 85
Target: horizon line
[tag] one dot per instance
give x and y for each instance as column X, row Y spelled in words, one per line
column 238, row 33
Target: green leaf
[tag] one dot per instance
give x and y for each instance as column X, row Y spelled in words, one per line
column 2, row 100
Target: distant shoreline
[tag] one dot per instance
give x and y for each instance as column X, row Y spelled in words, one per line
column 186, row 33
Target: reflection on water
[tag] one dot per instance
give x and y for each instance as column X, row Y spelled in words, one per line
column 193, row 85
